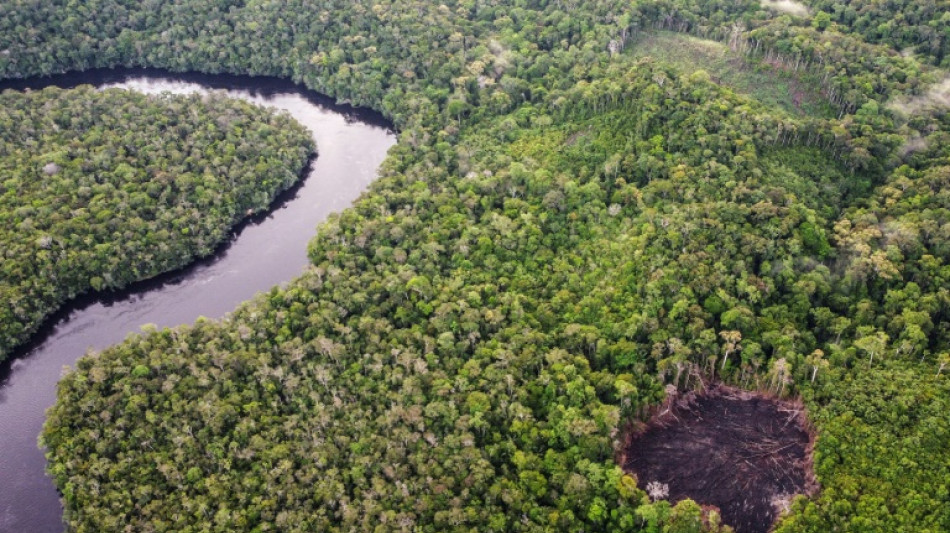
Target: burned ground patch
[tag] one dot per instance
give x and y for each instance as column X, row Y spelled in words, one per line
column 741, row 452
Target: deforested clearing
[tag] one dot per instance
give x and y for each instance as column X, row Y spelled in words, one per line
column 743, row 452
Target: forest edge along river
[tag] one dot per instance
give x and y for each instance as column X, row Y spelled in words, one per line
column 264, row 250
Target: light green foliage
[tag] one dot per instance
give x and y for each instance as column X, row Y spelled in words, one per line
column 877, row 454
column 562, row 232
column 775, row 87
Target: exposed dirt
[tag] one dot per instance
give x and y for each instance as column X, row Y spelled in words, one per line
column 742, row 452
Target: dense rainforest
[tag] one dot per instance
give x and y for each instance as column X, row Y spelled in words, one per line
column 104, row 188
column 567, row 232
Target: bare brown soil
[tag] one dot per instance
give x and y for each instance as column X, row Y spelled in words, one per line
column 742, row 452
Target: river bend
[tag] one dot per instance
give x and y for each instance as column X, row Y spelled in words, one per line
column 267, row 250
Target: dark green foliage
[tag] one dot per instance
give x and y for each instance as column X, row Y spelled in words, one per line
column 922, row 26
column 100, row 189
column 814, row 178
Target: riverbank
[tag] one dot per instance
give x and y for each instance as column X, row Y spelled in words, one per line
column 268, row 249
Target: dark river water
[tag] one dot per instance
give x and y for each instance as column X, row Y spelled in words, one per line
column 263, row 252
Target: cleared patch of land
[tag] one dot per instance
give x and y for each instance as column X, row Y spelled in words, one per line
column 742, row 452
column 766, row 83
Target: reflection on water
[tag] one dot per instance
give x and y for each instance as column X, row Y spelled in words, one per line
column 264, row 251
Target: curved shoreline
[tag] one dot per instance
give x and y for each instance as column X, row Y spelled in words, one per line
column 262, row 86
column 263, row 250
column 110, row 297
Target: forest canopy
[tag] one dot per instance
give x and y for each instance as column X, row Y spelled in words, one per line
column 102, row 188
column 565, row 232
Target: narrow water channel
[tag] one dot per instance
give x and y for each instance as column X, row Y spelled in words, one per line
column 265, row 251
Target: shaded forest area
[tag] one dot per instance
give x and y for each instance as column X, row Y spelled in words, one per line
column 99, row 189
column 562, row 232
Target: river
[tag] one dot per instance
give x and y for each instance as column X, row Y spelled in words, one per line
column 264, row 251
